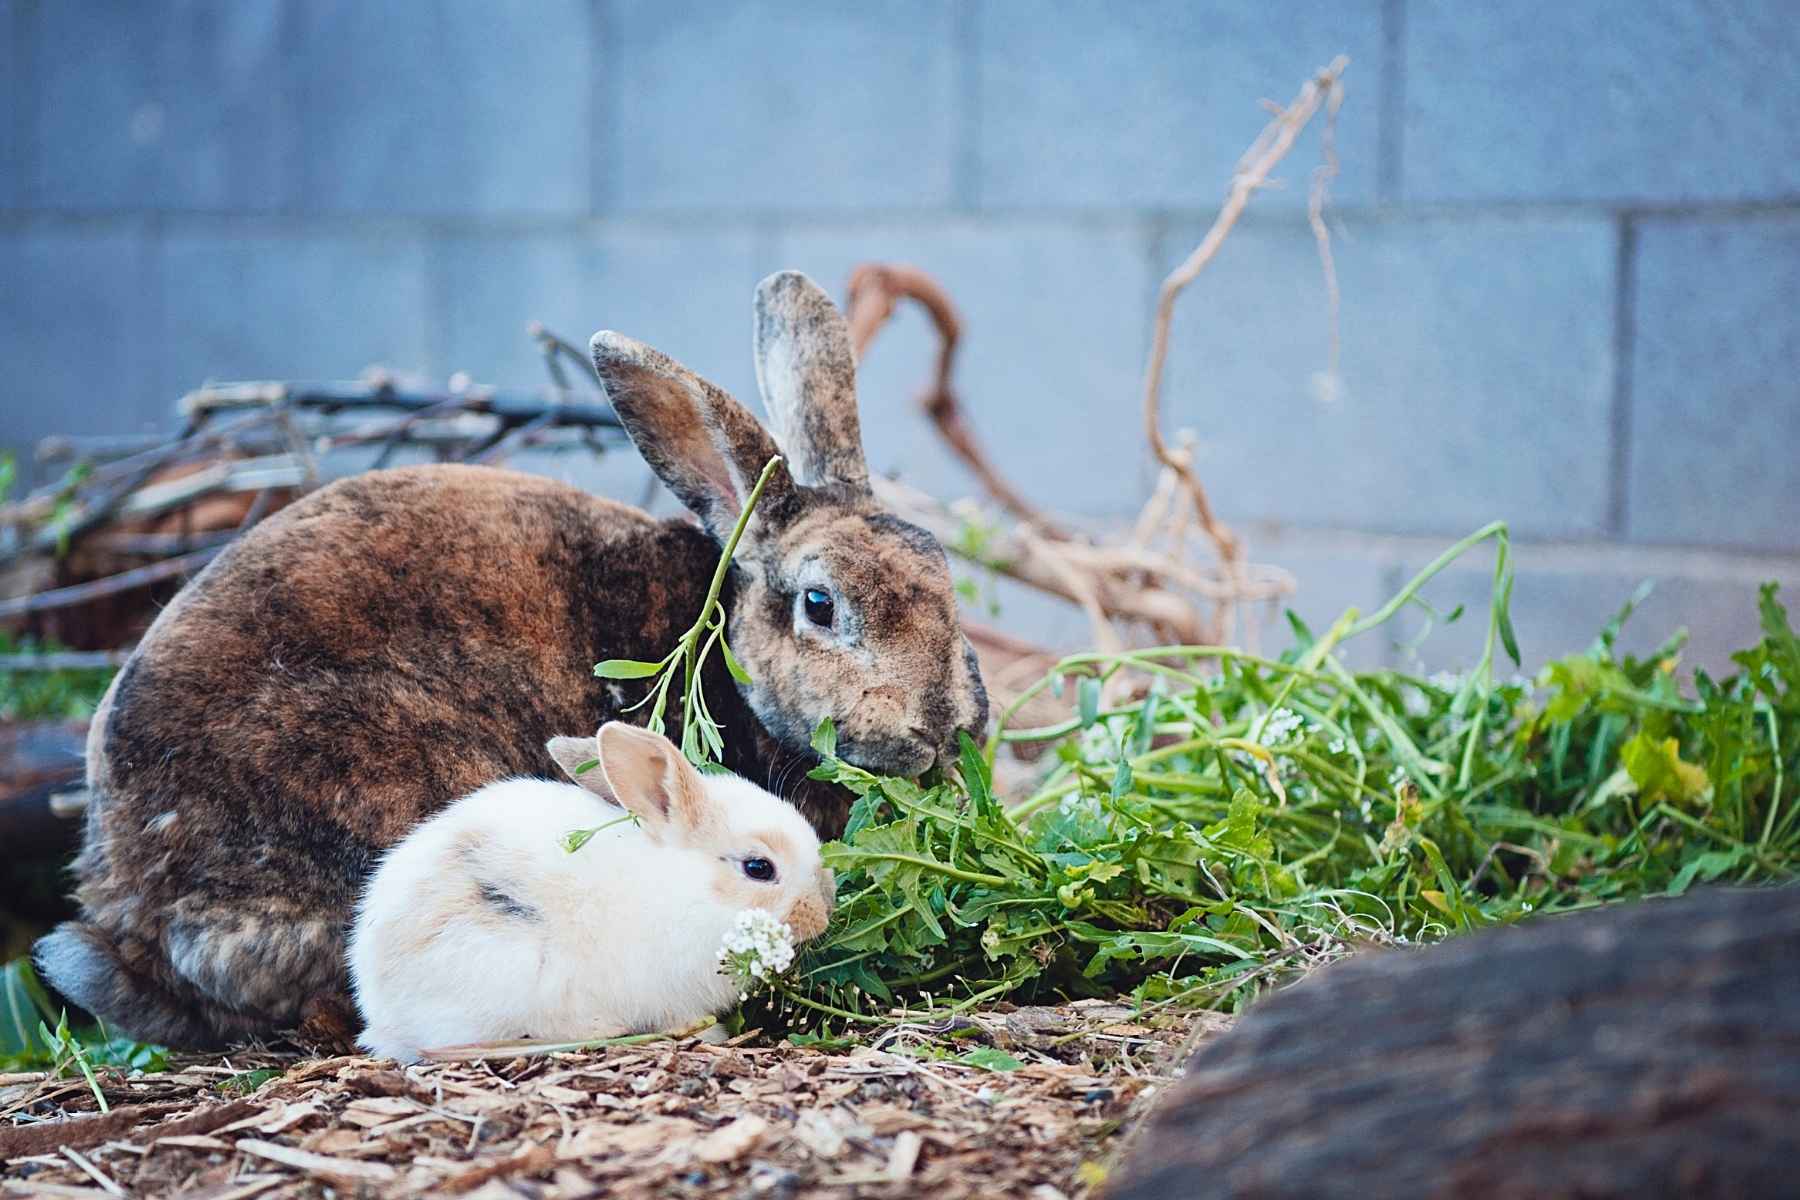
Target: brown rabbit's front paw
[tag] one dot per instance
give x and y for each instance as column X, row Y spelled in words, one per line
column 330, row 1019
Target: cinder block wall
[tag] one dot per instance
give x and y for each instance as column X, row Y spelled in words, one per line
column 1568, row 236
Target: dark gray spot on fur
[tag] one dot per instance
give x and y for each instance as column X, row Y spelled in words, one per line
column 507, row 906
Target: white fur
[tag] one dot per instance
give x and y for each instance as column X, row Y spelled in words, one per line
column 627, row 933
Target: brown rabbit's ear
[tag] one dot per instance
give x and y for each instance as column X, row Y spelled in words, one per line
column 574, row 753
column 649, row 776
column 807, row 373
column 702, row 443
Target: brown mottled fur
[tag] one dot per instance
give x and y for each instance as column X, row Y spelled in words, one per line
column 401, row 638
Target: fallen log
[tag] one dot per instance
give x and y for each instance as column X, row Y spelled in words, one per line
column 1649, row 1049
column 39, row 760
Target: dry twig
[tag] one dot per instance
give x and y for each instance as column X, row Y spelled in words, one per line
column 1270, row 147
column 875, row 289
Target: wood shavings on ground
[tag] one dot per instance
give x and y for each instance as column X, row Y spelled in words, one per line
column 1029, row 1102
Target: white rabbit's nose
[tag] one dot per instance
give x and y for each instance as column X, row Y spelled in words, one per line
column 809, row 916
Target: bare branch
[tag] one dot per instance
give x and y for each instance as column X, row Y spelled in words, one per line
column 1270, row 147
column 875, row 290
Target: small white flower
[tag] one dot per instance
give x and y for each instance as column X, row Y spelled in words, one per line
column 757, row 945
column 1075, row 804
column 1281, row 725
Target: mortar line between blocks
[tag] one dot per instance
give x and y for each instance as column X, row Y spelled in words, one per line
column 1391, row 139
column 27, row 156
column 1618, row 513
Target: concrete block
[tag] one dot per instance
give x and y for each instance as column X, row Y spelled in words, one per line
column 1715, row 409
column 185, row 105
column 1613, row 100
column 1151, row 105
column 806, row 105
column 1055, row 319
column 446, row 107
column 685, row 291
column 1476, row 376
column 77, row 335
column 252, row 303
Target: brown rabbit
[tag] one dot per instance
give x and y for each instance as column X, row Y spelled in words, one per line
column 401, row 638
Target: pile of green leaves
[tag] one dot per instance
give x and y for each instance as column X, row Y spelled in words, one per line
column 1241, row 817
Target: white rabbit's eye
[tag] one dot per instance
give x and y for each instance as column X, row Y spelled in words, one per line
column 760, row 869
column 818, row 607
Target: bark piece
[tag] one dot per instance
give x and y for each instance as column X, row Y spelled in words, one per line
column 1648, row 1049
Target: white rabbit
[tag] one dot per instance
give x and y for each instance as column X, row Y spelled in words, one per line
column 480, row 926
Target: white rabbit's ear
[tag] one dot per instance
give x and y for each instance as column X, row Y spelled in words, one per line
column 807, row 373
column 651, row 778
column 703, row 444
column 573, row 754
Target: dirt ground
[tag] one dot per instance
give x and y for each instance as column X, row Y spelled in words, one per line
column 898, row 1116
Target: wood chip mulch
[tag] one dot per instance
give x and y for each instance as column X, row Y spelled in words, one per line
column 897, row 1116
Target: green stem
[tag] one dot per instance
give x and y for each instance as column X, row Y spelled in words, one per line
column 1048, row 795
column 829, row 1009
column 731, row 544
column 1144, row 660
column 932, row 976
column 688, row 649
column 1405, row 594
column 930, row 864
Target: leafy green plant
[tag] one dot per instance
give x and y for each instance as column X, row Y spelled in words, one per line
column 29, row 1042
column 1236, row 818
column 67, row 1055
column 700, row 738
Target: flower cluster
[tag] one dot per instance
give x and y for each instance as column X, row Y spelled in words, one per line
column 1282, row 724
column 757, row 946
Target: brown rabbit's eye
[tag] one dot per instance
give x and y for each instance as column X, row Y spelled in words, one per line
column 759, row 869
column 818, row 607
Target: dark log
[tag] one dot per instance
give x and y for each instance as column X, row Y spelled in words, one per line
column 38, row 760
column 1650, row 1049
